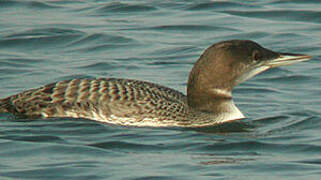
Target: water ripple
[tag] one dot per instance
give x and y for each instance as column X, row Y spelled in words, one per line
column 101, row 38
column 44, row 32
column 100, row 42
column 296, row 1
column 219, row 5
column 101, row 47
column 289, row 79
column 39, row 38
column 19, row 62
column 312, row 161
column 43, row 138
column 254, row 146
column 37, row 5
column 280, row 15
column 111, row 8
column 299, row 124
column 100, row 65
column 124, row 146
column 190, row 28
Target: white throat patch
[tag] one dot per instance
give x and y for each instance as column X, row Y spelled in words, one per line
column 232, row 113
column 251, row 73
column 222, row 92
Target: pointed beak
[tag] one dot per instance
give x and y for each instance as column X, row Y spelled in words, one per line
column 287, row 59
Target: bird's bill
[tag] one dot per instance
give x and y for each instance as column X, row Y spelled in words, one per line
column 287, row 59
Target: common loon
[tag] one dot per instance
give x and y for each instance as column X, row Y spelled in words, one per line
column 130, row 102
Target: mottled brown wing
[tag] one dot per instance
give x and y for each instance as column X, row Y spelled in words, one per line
column 97, row 99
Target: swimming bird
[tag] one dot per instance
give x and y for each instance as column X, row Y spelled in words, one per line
column 138, row 103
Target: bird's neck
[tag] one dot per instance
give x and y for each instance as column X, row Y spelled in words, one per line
column 214, row 97
column 217, row 102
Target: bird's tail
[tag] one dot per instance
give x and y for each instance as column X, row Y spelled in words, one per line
column 4, row 104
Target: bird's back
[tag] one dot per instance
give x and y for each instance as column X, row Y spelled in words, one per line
column 119, row 101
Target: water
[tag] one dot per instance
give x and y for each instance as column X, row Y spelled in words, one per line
column 158, row 41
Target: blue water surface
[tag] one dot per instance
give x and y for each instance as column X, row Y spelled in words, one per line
column 43, row 41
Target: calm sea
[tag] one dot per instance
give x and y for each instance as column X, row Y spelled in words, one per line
column 43, row 41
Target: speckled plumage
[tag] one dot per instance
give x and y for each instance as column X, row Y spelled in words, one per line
column 100, row 99
column 129, row 102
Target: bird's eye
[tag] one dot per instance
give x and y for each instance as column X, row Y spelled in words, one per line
column 256, row 55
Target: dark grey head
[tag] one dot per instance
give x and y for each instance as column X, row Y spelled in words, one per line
column 229, row 63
